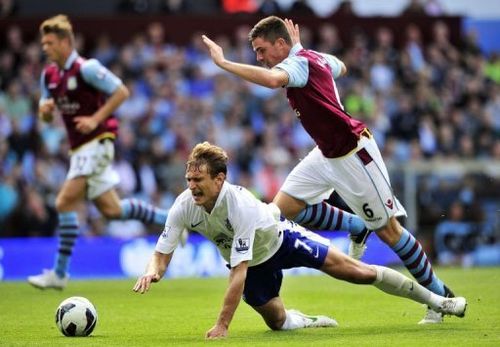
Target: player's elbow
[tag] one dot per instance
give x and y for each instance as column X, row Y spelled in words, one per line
column 124, row 92
column 343, row 69
column 274, row 84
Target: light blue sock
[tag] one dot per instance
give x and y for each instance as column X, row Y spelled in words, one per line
column 414, row 258
column 68, row 233
column 323, row 216
column 146, row 213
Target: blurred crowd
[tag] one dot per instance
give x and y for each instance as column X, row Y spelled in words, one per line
column 423, row 100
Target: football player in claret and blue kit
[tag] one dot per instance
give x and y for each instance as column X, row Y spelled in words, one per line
column 86, row 94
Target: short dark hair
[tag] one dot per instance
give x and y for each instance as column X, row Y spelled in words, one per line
column 214, row 157
column 270, row 29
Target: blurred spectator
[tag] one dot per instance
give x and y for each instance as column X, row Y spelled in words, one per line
column 135, row 6
column 345, row 9
column 414, row 8
column 301, row 8
column 269, row 7
column 433, row 8
column 329, row 40
column 8, row 8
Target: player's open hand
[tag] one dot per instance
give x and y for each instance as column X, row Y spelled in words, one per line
column 293, row 30
column 215, row 50
column 85, row 124
column 217, row 332
column 144, row 283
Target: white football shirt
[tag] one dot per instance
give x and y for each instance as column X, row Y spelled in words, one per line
column 242, row 227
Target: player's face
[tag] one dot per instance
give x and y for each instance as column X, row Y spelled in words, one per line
column 55, row 48
column 204, row 188
column 270, row 53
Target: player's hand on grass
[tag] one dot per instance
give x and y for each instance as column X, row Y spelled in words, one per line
column 46, row 110
column 144, row 282
column 85, row 124
column 293, row 30
column 217, row 332
column 215, row 50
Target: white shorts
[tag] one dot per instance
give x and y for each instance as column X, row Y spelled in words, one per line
column 360, row 178
column 93, row 160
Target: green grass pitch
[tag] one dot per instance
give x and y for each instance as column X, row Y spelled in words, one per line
column 179, row 312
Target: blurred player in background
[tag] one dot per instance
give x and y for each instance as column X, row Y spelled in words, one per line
column 258, row 245
column 346, row 159
column 85, row 93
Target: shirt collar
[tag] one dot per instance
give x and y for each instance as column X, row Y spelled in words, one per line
column 222, row 193
column 71, row 59
column 297, row 47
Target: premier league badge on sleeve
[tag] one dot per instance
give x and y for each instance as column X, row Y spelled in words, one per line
column 242, row 245
column 72, row 84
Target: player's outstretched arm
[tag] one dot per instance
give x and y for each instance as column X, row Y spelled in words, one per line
column 271, row 78
column 231, row 300
column 154, row 272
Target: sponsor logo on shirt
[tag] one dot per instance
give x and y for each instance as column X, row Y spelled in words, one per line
column 223, row 241
column 72, row 84
column 242, row 245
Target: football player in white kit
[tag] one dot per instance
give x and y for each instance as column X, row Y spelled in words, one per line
column 258, row 244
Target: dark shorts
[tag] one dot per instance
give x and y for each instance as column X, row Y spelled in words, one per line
column 263, row 281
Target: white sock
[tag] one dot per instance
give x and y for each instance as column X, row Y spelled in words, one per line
column 393, row 282
column 294, row 320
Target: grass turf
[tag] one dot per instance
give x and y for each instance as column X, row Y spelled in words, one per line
column 179, row 312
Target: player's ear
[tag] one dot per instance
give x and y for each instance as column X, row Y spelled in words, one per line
column 221, row 177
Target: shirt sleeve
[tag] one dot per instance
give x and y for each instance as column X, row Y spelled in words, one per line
column 297, row 69
column 99, row 77
column 334, row 64
column 44, row 91
column 174, row 226
column 244, row 235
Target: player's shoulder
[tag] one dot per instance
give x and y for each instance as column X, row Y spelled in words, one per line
column 240, row 197
column 89, row 65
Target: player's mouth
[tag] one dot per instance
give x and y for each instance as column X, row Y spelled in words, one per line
column 197, row 195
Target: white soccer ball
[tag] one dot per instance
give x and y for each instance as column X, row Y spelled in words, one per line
column 76, row 316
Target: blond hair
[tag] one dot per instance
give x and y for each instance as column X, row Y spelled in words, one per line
column 58, row 25
column 214, row 157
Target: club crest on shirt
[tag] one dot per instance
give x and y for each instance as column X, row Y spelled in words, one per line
column 228, row 225
column 242, row 245
column 72, row 84
column 164, row 234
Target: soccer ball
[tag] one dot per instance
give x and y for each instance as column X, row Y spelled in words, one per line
column 76, row 316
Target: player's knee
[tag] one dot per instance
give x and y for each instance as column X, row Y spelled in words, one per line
column 276, row 323
column 111, row 212
column 391, row 232
column 63, row 204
